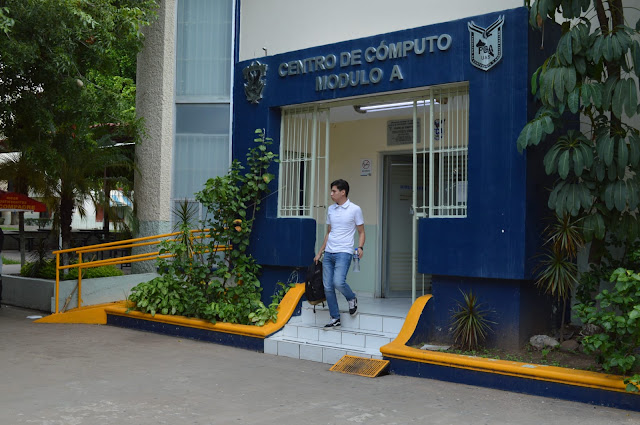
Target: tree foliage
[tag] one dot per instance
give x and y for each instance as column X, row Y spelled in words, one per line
column 593, row 72
column 67, row 72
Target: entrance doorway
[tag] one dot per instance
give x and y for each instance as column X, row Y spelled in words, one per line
column 397, row 216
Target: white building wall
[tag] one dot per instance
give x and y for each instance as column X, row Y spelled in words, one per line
column 285, row 25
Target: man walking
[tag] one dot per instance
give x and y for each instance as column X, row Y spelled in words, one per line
column 343, row 219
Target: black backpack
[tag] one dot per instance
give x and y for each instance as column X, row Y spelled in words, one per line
column 313, row 287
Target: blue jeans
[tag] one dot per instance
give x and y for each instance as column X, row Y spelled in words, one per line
column 335, row 266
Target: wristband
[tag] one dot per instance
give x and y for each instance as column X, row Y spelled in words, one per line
column 361, row 247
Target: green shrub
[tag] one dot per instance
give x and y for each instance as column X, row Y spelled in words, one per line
column 95, row 272
column 618, row 317
column 47, row 270
column 200, row 281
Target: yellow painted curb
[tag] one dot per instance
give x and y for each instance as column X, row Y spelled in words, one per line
column 92, row 315
column 399, row 350
column 285, row 310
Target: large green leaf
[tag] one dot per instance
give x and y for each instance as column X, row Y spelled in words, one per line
column 615, row 47
column 631, row 105
column 546, row 86
column 578, row 162
column 623, row 154
column 609, row 196
column 605, row 149
column 569, row 79
column 585, row 196
column 635, row 54
column 580, row 63
column 559, row 79
column 547, row 124
column 573, row 199
column 534, row 81
column 534, row 134
column 620, row 195
column 564, row 49
column 551, row 159
column 587, row 154
column 574, row 100
column 596, row 50
column 607, row 48
column 634, row 149
column 596, row 94
column 563, row 164
column 633, row 193
column 619, row 96
column 585, row 94
column 607, row 91
column 624, row 39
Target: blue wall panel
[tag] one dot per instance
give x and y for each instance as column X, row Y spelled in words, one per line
column 510, row 383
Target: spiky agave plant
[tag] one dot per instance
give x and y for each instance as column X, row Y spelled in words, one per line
column 470, row 323
column 186, row 214
column 557, row 272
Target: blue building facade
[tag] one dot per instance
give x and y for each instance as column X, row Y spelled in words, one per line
column 491, row 249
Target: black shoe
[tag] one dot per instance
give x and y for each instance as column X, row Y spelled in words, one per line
column 353, row 306
column 333, row 323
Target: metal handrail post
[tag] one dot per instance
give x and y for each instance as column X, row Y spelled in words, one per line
column 57, row 291
column 79, row 279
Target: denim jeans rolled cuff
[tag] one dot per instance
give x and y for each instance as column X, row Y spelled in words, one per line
column 335, row 266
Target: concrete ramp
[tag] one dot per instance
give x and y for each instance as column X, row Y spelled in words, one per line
column 90, row 315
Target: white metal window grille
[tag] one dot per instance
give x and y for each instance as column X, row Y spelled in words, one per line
column 445, row 153
column 304, row 148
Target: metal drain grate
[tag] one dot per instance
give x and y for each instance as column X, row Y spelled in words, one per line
column 360, row 366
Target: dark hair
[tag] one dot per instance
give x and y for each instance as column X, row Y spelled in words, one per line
column 341, row 185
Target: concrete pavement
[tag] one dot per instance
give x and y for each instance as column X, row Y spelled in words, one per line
column 90, row 374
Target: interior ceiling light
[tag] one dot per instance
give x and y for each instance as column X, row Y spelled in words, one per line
column 363, row 109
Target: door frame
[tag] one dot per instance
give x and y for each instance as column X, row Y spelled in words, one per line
column 385, row 157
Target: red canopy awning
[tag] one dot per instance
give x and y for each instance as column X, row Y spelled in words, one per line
column 11, row 201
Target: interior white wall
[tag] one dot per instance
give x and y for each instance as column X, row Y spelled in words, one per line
column 285, row 25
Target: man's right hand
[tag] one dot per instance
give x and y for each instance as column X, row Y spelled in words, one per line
column 317, row 257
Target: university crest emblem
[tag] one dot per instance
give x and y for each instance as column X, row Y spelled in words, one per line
column 485, row 44
column 254, row 74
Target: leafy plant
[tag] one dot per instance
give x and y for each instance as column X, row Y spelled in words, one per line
column 618, row 316
column 592, row 73
column 470, row 323
column 47, row 270
column 215, row 272
column 557, row 270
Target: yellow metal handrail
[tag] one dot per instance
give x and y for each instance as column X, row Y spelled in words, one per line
column 126, row 259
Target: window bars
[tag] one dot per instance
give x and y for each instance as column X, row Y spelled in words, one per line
column 444, row 154
column 304, row 149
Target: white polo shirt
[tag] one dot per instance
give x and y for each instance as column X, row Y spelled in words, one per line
column 343, row 220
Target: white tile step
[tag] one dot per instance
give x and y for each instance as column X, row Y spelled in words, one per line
column 360, row 321
column 339, row 335
column 313, row 350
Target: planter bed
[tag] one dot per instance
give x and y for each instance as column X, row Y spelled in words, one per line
column 548, row 381
column 242, row 336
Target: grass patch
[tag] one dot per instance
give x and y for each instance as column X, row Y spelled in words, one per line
column 6, row 260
